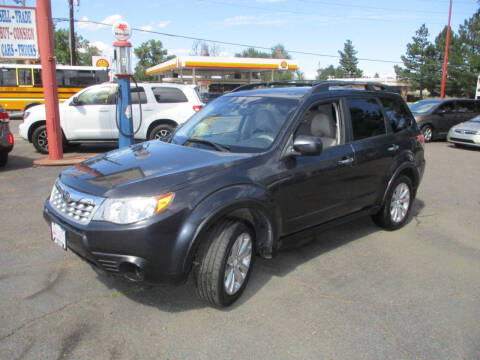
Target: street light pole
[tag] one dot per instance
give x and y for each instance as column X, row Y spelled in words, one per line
column 73, row 54
column 445, row 58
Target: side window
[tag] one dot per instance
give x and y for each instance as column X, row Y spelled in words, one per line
column 138, row 95
column 37, row 77
column 25, row 77
column 95, row 96
column 465, row 106
column 322, row 121
column 8, row 77
column 367, row 118
column 447, row 108
column 169, row 95
column 397, row 114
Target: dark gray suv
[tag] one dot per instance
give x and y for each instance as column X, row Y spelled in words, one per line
column 252, row 171
column 436, row 116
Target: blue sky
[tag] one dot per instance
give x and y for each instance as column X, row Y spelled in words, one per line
column 378, row 29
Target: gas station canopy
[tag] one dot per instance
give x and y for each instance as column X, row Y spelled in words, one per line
column 204, row 67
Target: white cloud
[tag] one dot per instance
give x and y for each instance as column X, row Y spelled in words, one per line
column 93, row 27
column 271, row 1
column 147, row 28
column 105, row 49
column 224, row 54
column 178, row 51
column 163, row 24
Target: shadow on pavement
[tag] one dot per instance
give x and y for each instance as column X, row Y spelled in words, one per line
column 177, row 298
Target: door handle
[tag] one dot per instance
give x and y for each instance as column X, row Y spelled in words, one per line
column 393, row 147
column 345, row 161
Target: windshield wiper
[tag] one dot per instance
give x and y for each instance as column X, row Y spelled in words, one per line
column 223, row 148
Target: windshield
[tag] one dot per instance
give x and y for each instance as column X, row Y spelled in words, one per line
column 423, row 106
column 237, row 123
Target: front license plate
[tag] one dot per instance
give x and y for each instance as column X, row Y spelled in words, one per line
column 58, row 236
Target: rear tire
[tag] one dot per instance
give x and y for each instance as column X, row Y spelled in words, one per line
column 225, row 261
column 39, row 139
column 3, row 158
column 397, row 206
column 162, row 132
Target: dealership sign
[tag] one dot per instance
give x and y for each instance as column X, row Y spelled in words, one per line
column 18, row 33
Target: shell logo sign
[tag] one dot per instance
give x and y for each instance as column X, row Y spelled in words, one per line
column 283, row 65
column 100, row 61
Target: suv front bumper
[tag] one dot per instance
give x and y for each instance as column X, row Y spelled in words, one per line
column 119, row 250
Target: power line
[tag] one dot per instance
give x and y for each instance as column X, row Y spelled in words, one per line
column 230, row 43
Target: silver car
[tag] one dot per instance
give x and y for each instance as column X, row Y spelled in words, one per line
column 6, row 137
column 466, row 133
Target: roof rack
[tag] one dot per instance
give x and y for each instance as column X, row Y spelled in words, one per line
column 271, row 84
column 370, row 86
column 317, row 86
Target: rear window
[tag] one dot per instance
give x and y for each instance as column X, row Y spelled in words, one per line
column 138, row 95
column 169, row 95
column 397, row 113
column 367, row 118
column 466, row 106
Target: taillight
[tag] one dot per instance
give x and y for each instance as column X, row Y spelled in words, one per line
column 197, row 108
column 421, row 139
column 4, row 117
column 10, row 139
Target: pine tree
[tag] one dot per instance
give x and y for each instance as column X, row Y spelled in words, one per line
column 349, row 61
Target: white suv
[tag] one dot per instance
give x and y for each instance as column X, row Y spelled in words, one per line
column 90, row 115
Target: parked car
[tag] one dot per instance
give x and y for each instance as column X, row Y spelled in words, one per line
column 436, row 116
column 90, row 115
column 467, row 133
column 252, row 171
column 6, row 137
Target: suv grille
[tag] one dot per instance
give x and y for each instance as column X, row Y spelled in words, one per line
column 72, row 204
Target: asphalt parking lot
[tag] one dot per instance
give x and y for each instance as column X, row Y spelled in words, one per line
column 356, row 292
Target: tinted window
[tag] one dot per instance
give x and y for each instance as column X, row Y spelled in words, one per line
column 25, row 77
column 37, row 77
column 80, row 78
column 397, row 113
column 367, row 118
column 424, row 106
column 138, row 94
column 94, row 96
column 448, row 107
column 169, row 95
column 8, row 77
column 465, row 106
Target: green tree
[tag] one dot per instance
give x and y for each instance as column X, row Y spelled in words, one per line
column 349, row 61
column 421, row 65
column 253, row 53
column 330, row 72
column 84, row 50
column 149, row 53
column 469, row 37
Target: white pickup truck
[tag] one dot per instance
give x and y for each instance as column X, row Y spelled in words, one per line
column 90, row 115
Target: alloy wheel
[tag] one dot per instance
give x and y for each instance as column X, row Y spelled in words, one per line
column 400, row 203
column 238, row 263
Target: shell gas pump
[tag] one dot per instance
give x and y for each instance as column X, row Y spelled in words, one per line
column 123, row 71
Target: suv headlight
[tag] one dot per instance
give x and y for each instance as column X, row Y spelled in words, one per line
column 131, row 210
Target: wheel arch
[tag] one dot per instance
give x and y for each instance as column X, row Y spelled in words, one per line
column 207, row 214
column 407, row 169
column 159, row 122
column 29, row 105
column 32, row 128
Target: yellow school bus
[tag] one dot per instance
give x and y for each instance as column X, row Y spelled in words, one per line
column 21, row 85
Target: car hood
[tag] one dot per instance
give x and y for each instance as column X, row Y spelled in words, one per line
column 147, row 169
column 468, row 125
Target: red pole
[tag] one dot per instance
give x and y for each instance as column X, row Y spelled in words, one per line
column 445, row 58
column 49, row 78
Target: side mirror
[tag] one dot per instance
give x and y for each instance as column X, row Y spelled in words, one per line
column 75, row 101
column 308, row 145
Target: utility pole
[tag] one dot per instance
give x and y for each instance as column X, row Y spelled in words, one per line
column 445, row 58
column 73, row 53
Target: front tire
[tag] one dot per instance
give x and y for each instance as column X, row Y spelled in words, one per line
column 427, row 132
column 397, row 206
column 162, row 132
column 224, row 262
